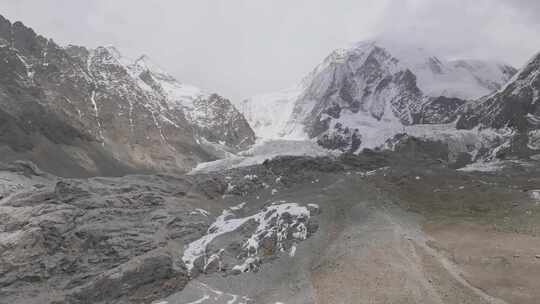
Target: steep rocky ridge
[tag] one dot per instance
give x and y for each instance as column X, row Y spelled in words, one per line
column 514, row 107
column 357, row 92
column 103, row 114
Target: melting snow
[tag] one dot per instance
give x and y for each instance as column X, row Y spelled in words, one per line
column 483, row 167
column 238, row 207
column 263, row 150
column 293, row 251
column 202, row 211
column 535, row 195
column 96, row 113
column 201, row 300
column 29, row 70
column 250, row 177
column 269, row 220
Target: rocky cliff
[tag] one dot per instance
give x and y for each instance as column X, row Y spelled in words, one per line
column 79, row 112
column 514, row 107
column 374, row 89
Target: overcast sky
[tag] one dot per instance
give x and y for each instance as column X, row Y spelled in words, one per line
column 239, row 48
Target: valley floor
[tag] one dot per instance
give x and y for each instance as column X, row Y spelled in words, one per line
column 387, row 230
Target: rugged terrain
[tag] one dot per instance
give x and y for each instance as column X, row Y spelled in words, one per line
column 85, row 112
column 514, row 107
column 360, row 96
column 379, row 227
column 96, row 205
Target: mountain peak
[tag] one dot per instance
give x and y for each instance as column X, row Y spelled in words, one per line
column 515, row 106
column 143, row 57
column 125, row 114
column 360, row 95
column 113, row 50
column 146, row 63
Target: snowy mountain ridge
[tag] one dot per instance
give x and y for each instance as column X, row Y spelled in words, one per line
column 457, row 78
column 515, row 106
column 356, row 92
column 213, row 118
column 83, row 112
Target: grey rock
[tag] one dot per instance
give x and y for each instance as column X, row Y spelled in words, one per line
column 78, row 112
column 514, row 107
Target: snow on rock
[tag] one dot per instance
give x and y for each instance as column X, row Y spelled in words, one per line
column 535, row 195
column 202, row 293
column 494, row 165
column 238, row 207
column 201, row 212
column 480, row 144
column 360, row 96
column 281, row 224
column 263, row 150
column 249, row 264
column 516, row 106
column 483, row 167
column 175, row 109
column 460, row 78
column 292, row 252
column 251, row 177
column 214, row 117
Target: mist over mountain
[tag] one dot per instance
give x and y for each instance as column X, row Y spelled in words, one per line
column 391, row 172
column 242, row 49
column 355, row 93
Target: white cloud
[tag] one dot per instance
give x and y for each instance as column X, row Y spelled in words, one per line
column 242, row 47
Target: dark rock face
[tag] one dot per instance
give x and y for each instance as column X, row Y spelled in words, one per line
column 438, row 152
column 440, row 110
column 515, row 107
column 341, row 138
column 99, row 113
column 357, row 92
column 359, row 82
column 364, row 82
column 510, row 106
column 95, row 241
column 219, row 122
column 124, row 240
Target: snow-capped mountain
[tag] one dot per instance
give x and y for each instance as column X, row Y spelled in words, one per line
column 79, row 111
column 359, row 96
column 516, row 107
column 213, row 117
column 460, row 78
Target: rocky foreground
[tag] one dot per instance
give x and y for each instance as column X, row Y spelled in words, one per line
column 372, row 228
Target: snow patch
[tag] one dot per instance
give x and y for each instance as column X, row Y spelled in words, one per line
column 483, row 166
column 251, row 177
column 264, row 150
column 96, row 114
column 280, row 219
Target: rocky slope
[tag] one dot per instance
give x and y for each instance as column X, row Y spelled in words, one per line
column 136, row 239
column 372, row 86
column 378, row 227
column 514, row 107
column 76, row 111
